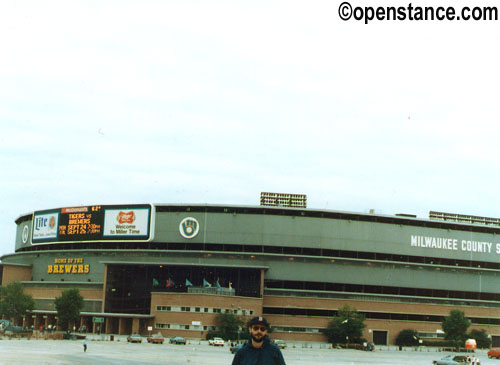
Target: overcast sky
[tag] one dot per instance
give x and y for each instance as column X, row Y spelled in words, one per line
column 105, row 102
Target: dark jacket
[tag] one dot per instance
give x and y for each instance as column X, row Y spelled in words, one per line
column 268, row 354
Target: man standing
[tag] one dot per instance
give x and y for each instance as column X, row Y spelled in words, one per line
column 84, row 345
column 259, row 350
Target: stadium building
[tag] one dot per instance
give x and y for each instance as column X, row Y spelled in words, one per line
column 172, row 268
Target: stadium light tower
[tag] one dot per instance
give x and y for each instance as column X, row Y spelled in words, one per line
column 283, row 200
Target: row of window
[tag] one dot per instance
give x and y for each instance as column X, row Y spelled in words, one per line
column 176, row 326
column 308, row 312
column 297, row 329
column 430, row 335
column 379, row 298
column 378, row 289
column 170, row 308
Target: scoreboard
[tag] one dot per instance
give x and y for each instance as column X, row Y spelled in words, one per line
column 80, row 224
column 92, row 223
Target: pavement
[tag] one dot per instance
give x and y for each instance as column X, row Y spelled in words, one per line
column 103, row 351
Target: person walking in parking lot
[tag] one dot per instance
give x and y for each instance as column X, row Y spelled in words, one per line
column 258, row 350
column 84, row 345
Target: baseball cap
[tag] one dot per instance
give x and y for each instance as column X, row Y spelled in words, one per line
column 258, row 320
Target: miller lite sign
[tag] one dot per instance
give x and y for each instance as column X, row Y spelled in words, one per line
column 45, row 226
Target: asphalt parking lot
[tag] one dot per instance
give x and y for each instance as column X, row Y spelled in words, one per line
column 23, row 351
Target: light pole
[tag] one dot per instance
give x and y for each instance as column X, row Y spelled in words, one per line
column 345, row 322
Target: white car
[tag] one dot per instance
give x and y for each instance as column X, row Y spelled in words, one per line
column 216, row 341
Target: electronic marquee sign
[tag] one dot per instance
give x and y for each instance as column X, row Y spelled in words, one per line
column 93, row 223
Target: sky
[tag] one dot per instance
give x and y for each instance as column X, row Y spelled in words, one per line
column 212, row 102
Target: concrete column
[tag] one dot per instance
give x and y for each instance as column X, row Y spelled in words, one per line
column 121, row 326
column 109, row 325
column 262, row 283
column 135, row 325
column 104, row 288
column 38, row 321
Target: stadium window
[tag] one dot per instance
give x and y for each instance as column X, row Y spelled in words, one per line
column 195, row 246
column 349, row 254
column 214, row 247
column 313, row 285
column 292, row 250
column 383, row 256
column 253, row 248
column 366, row 255
column 390, row 290
column 273, row 249
column 311, row 251
column 398, row 316
column 176, row 246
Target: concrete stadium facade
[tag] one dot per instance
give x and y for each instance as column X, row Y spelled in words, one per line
column 295, row 266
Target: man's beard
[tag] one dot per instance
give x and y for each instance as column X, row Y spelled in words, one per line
column 257, row 339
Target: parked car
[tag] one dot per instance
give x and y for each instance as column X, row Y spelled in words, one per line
column 156, row 338
column 217, row 341
column 4, row 323
column 235, row 348
column 280, row 343
column 134, row 337
column 494, row 352
column 213, row 339
column 178, row 340
column 451, row 360
column 12, row 330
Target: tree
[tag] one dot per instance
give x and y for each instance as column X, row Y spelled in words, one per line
column 407, row 337
column 68, row 307
column 228, row 325
column 455, row 327
column 346, row 327
column 14, row 304
column 481, row 337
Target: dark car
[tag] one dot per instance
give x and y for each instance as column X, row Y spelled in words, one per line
column 494, row 353
column 134, row 338
column 235, row 348
column 12, row 330
column 178, row 340
column 156, row 338
column 451, row 360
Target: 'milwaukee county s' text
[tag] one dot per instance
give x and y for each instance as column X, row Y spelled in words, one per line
column 454, row 244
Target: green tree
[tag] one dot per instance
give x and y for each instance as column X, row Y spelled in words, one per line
column 346, row 327
column 68, row 307
column 14, row 304
column 407, row 337
column 481, row 337
column 455, row 327
column 228, row 325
